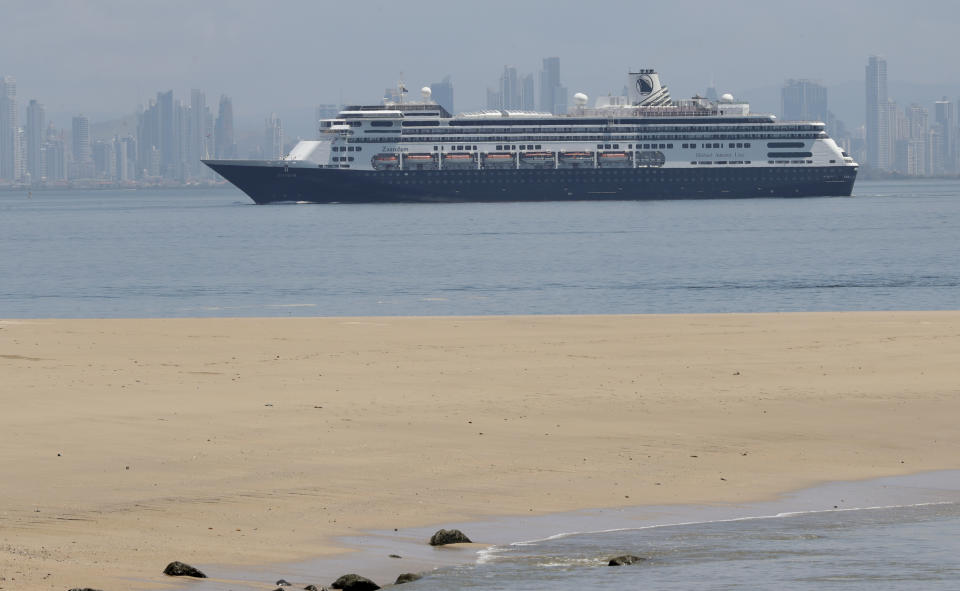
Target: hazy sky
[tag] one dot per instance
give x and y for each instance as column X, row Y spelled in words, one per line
column 104, row 57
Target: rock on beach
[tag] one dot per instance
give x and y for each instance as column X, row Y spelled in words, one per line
column 354, row 582
column 180, row 569
column 448, row 536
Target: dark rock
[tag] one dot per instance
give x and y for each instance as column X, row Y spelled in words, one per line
column 625, row 560
column 81, row 588
column 179, row 569
column 354, row 582
column 407, row 578
column 283, row 583
column 448, row 536
column 314, row 588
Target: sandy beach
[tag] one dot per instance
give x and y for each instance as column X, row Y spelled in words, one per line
column 125, row 444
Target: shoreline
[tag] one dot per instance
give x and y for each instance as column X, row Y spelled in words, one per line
column 264, row 441
column 369, row 553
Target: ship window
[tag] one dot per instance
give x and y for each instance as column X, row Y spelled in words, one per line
column 381, row 124
column 833, row 162
column 746, row 145
column 784, row 144
column 616, row 146
column 789, row 154
column 670, row 145
column 716, row 145
column 537, row 147
column 350, row 158
column 600, row 146
column 739, row 145
column 499, row 147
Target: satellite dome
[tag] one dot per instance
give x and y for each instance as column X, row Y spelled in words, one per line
column 426, row 92
column 580, row 99
column 726, row 98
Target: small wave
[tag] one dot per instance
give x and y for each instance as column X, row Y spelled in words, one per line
column 782, row 515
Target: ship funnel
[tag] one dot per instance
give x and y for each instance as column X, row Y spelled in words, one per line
column 646, row 89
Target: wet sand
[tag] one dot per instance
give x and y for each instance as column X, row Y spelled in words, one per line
column 126, row 444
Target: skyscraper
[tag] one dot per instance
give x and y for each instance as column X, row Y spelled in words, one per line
column 443, row 93
column 944, row 159
column 803, row 100
column 553, row 96
column 36, row 129
column 509, row 88
column 9, row 146
column 878, row 115
column 273, row 138
column 527, row 102
column 199, row 134
column 223, row 131
column 82, row 155
column 148, row 138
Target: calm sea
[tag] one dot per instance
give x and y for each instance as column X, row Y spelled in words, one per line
column 194, row 253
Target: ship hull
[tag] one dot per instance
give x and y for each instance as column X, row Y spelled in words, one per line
column 273, row 183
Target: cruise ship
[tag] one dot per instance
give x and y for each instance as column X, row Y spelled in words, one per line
column 636, row 147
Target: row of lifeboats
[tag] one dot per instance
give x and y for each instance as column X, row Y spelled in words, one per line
column 505, row 160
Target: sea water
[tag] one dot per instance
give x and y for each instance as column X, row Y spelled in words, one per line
column 195, row 253
column 887, row 533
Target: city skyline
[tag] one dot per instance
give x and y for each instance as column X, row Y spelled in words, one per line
column 104, row 58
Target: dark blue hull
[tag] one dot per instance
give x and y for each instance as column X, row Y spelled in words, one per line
column 272, row 184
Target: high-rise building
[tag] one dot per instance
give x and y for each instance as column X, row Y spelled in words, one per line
column 527, row 100
column 104, row 159
column 510, row 88
column 878, row 114
column 224, row 144
column 443, row 93
column 273, row 138
column 55, row 158
column 35, row 129
column 944, row 159
column 553, row 95
column 9, row 145
column 803, row 100
column 148, row 139
column 82, row 166
column 494, row 99
column 126, row 155
column 200, row 132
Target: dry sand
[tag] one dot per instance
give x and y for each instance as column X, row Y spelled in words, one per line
column 125, row 444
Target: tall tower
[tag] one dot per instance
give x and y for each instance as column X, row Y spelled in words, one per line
column 82, row 155
column 946, row 123
column 198, row 146
column 803, row 100
column 9, row 146
column 553, row 96
column 527, row 102
column 273, row 138
column 223, row 132
column 36, row 136
column 443, row 93
column 510, row 88
column 878, row 116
